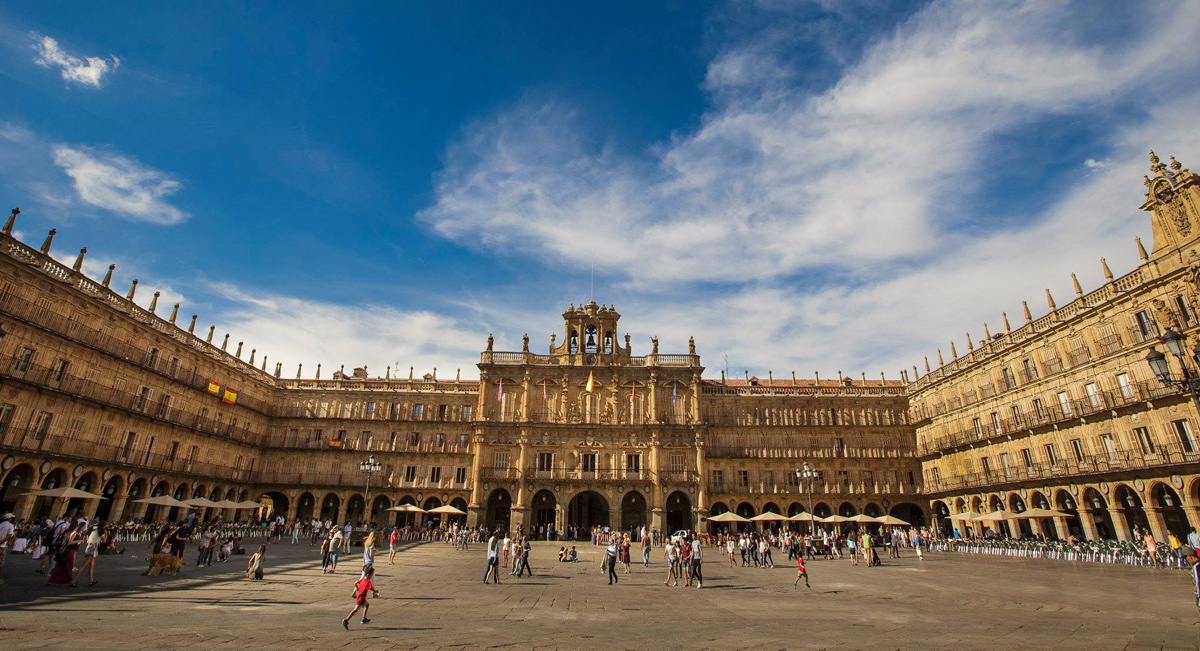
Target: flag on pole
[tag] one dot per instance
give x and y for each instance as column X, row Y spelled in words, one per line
column 674, row 389
column 591, row 384
column 500, row 391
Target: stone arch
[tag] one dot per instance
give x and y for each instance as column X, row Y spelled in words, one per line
column 199, row 491
column 356, row 508
column 379, row 507
column 543, row 510
column 588, row 509
column 1096, row 504
column 847, row 510
column 306, row 506
column 941, row 515
column 746, row 510
column 633, row 511
column 1164, row 498
column 1024, row 526
column 16, row 481
column 678, row 507
column 795, row 508
column 771, row 507
column 1128, row 499
column 459, row 503
column 873, row 510
column 275, row 503
column 1067, row 504
column 913, row 513
column 331, row 508
column 434, row 519
column 498, row 514
column 822, row 510
column 110, row 490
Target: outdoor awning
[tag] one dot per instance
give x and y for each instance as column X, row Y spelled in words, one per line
column 67, row 492
column 996, row 516
column 407, row 508
column 768, row 516
column 161, row 500
column 447, row 509
column 892, row 521
column 807, row 517
column 728, row 516
column 201, row 502
column 1043, row 513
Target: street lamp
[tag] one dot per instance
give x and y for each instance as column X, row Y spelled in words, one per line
column 1162, row 369
column 808, row 474
column 369, row 466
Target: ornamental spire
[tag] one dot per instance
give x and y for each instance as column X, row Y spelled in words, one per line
column 174, row 313
column 1108, row 275
column 79, row 260
column 132, row 289
column 154, row 302
column 12, row 220
column 1004, row 317
column 49, row 239
column 108, row 274
column 1078, row 289
column 1141, row 250
column 1050, row 300
column 1028, row 316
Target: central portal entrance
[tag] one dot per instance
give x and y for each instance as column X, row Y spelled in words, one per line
column 543, row 513
column 586, row 510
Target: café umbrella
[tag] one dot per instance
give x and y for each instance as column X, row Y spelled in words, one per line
column 409, row 508
column 202, row 502
column 891, row 521
column 448, row 510
column 1042, row 513
column 996, row 516
column 767, row 516
column 728, row 516
column 161, row 500
column 67, row 492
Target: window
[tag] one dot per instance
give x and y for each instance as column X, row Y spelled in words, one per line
column 293, row 436
column 364, row 440
column 869, row 478
column 1109, row 445
column 1125, row 387
column 1183, row 430
column 1184, row 310
column 995, row 422
column 435, row 474
column 589, row 461
column 410, row 473
column 793, row 480
column 977, row 426
column 1064, row 403
column 42, row 426
column 418, row 411
column 633, row 464
column 500, row 459
column 1027, row 458
column 1006, row 377
column 718, row 479
column 143, row 397
column 1039, row 409
column 1077, row 449
column 844, row 480
column 127, row 449
column 464, row 441
column 768, row 477
column 840, row 446
column 1004, row 463
column 317, row 435
column 150, row 450
column 987, row 465
column 173, row 452
column 153, row 358
column 744, row 478
column 370, row 409
column 441, row 412
column 678, row 463
column 74, row 428
column 1051, row 457
column 414, row 438
column 60, row 370
column 1142, row 435
column 466, row 412
column 6, row 416
column 1093, row 394
column 1030, row 371
column 1015, row 412
column 192, row 454
column 21, row 363
column 545, row 461
column 1144, row 325
column 460, row 475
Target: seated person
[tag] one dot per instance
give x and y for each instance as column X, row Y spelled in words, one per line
column 562, row 554
column 572, row 557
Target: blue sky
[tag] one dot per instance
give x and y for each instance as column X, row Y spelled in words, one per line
column 810, row 186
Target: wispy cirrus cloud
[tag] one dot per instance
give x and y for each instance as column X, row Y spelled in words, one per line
column 83, row 71
column 119, row 184
column 853, row 223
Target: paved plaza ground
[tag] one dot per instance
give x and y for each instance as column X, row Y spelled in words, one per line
column 434, row 598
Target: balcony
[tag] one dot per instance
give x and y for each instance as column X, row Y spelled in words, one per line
column 1064, row 469
column 54, row 443
column 134, row 403
column 1098, row 403
column 1109, row 345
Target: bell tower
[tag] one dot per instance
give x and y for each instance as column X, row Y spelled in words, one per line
column 1173, row 201
column 591, row 336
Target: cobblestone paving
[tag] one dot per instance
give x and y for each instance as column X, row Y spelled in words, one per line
column 434, row 598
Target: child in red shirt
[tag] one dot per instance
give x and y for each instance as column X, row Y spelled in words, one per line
column 800, row 572
column 361, row 588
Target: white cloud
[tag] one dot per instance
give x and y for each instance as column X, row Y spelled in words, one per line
column 864, row 182
column 294, row 331
column 119, row 184
column 85, row 71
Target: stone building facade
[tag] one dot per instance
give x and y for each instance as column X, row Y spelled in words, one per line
column 1064, row 412
column 106, row 396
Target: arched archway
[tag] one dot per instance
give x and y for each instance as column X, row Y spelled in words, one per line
column 822, row 510
column 913, row 514
column 746, row 510
column 795, row 508
column 1167, row 501
column 679, row 512
column 499, row 510
column 459, row 503
column 137, row 491
column 379, row 507
column 356, row 509
column 276, row 504
column 43, row 506
column 544, row 508
column 1130, row 502
column 847, row 510
column 432, row 519
column 872, row 509
column 306, row 505
column 586, row 510
column 17, row 481
column 1065, row 503
column 330, row 507
column 717, row 508
column 1023, row 527
column 633, row 512
column 111, row 489
column 1095, row 504
column 941, row 516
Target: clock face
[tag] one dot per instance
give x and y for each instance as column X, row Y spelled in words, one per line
column 590, row 359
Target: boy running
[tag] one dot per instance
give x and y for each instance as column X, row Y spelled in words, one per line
column 361, row 588
column 801, row 573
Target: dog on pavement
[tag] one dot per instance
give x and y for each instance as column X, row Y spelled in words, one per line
column 159, row 563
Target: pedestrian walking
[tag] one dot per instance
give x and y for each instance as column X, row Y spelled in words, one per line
column 361, row 588
column 611, row 558
column 493, row 560
column 801, row 573
column 7, row 535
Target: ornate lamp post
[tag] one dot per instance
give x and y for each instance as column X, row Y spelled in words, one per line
column 1162, row 369
column 369, row 466
column 808, row 474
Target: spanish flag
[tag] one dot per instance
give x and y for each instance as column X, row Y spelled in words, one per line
column 591, row 385
column 214, row 388
column 230, row 396
column 335, row 443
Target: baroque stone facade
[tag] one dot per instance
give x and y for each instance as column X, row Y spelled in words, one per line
column 1062, row 412
column 1065, row 412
